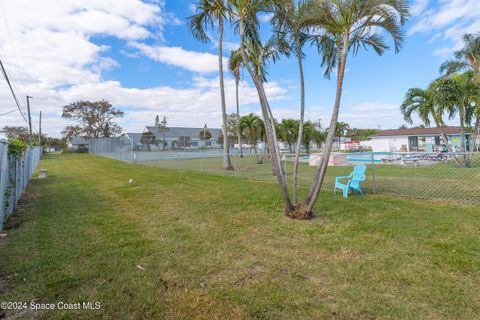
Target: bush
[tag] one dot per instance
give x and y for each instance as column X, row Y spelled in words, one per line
column 16, row 148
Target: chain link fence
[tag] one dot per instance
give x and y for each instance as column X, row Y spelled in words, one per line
column 430, row 176
column 15, row 174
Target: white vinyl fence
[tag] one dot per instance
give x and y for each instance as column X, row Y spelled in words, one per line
column 14, row 177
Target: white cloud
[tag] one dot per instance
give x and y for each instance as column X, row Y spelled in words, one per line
column 372, row 115
column 419, row 7
column 449, row 19
column 176, row 56
column 60, row 63
column 197, row 103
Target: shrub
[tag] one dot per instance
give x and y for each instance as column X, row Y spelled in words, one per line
column 16, row 148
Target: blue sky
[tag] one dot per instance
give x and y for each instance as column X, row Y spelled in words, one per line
column 141, row 57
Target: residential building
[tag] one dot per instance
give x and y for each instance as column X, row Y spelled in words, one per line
column 181, row 137
column 77, row 143
column 417, row 140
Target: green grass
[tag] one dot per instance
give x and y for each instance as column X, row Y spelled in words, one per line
column 437, row 182
column 218, row 247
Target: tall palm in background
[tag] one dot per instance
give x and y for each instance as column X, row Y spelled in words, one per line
column 253, row 127
column 208, row 14
column 245, row 13
column 286, row 22
column 466, row 59
column 235, row 66
column 340, row 27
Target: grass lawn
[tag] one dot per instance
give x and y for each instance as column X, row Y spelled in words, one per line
column 186, row 245
column 438, row 182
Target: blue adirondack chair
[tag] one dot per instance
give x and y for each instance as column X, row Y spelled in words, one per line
column 353, row 182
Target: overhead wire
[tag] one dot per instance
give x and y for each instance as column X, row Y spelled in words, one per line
column 5, row 75
column 12, row 71
column 8, row 112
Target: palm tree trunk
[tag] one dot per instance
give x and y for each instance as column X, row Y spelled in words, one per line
column 238, row 119
column 466, row 163
column 473, row 142
column 227, row 165
column 300, row 125
column 269, row 125
column 320, row 175
column 444, row 135
column 475, row 134
column 255, row 151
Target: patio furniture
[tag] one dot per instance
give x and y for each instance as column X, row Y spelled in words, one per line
column 353, row 182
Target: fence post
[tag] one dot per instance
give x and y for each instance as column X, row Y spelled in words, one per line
column 3, row 181
column 374, row 186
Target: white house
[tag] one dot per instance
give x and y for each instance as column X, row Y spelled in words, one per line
column 417, row 140
column 77, row 143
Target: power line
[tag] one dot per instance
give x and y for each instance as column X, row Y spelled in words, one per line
column 14, row 51
column 5, row 75
column 15, row 88
column 5, row 113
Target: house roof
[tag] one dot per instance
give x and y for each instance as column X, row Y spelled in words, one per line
column 136, row 136
column 78, row 140
column 176, row 132
column 417, row 132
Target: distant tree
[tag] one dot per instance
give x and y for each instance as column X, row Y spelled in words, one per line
column 360, row 134
column 14, row 132
column 54, row 142
column 403, row 126
column 311, row 133
column 205, row 135
column 287, row 130
column 232, row 129
column 162, row 127
column 157, row 121
column 254, row 129
column 340, row 131
column 92, row 119
column 148, row 138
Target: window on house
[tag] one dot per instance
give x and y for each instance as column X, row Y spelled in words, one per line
column 413, row 144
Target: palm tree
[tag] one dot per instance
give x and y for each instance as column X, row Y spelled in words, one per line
column 235, row 66
column 342, row 27
column 286, row 21
column 424, row 104
column 288, row 130
column 245, row 13
column 340, row 131
column 311, row 133
column 208, row 13
column 460, row 95
column 253, row 128
column 466, row 59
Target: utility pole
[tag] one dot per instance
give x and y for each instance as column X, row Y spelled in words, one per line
column 29, row 119
column 40, row 129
